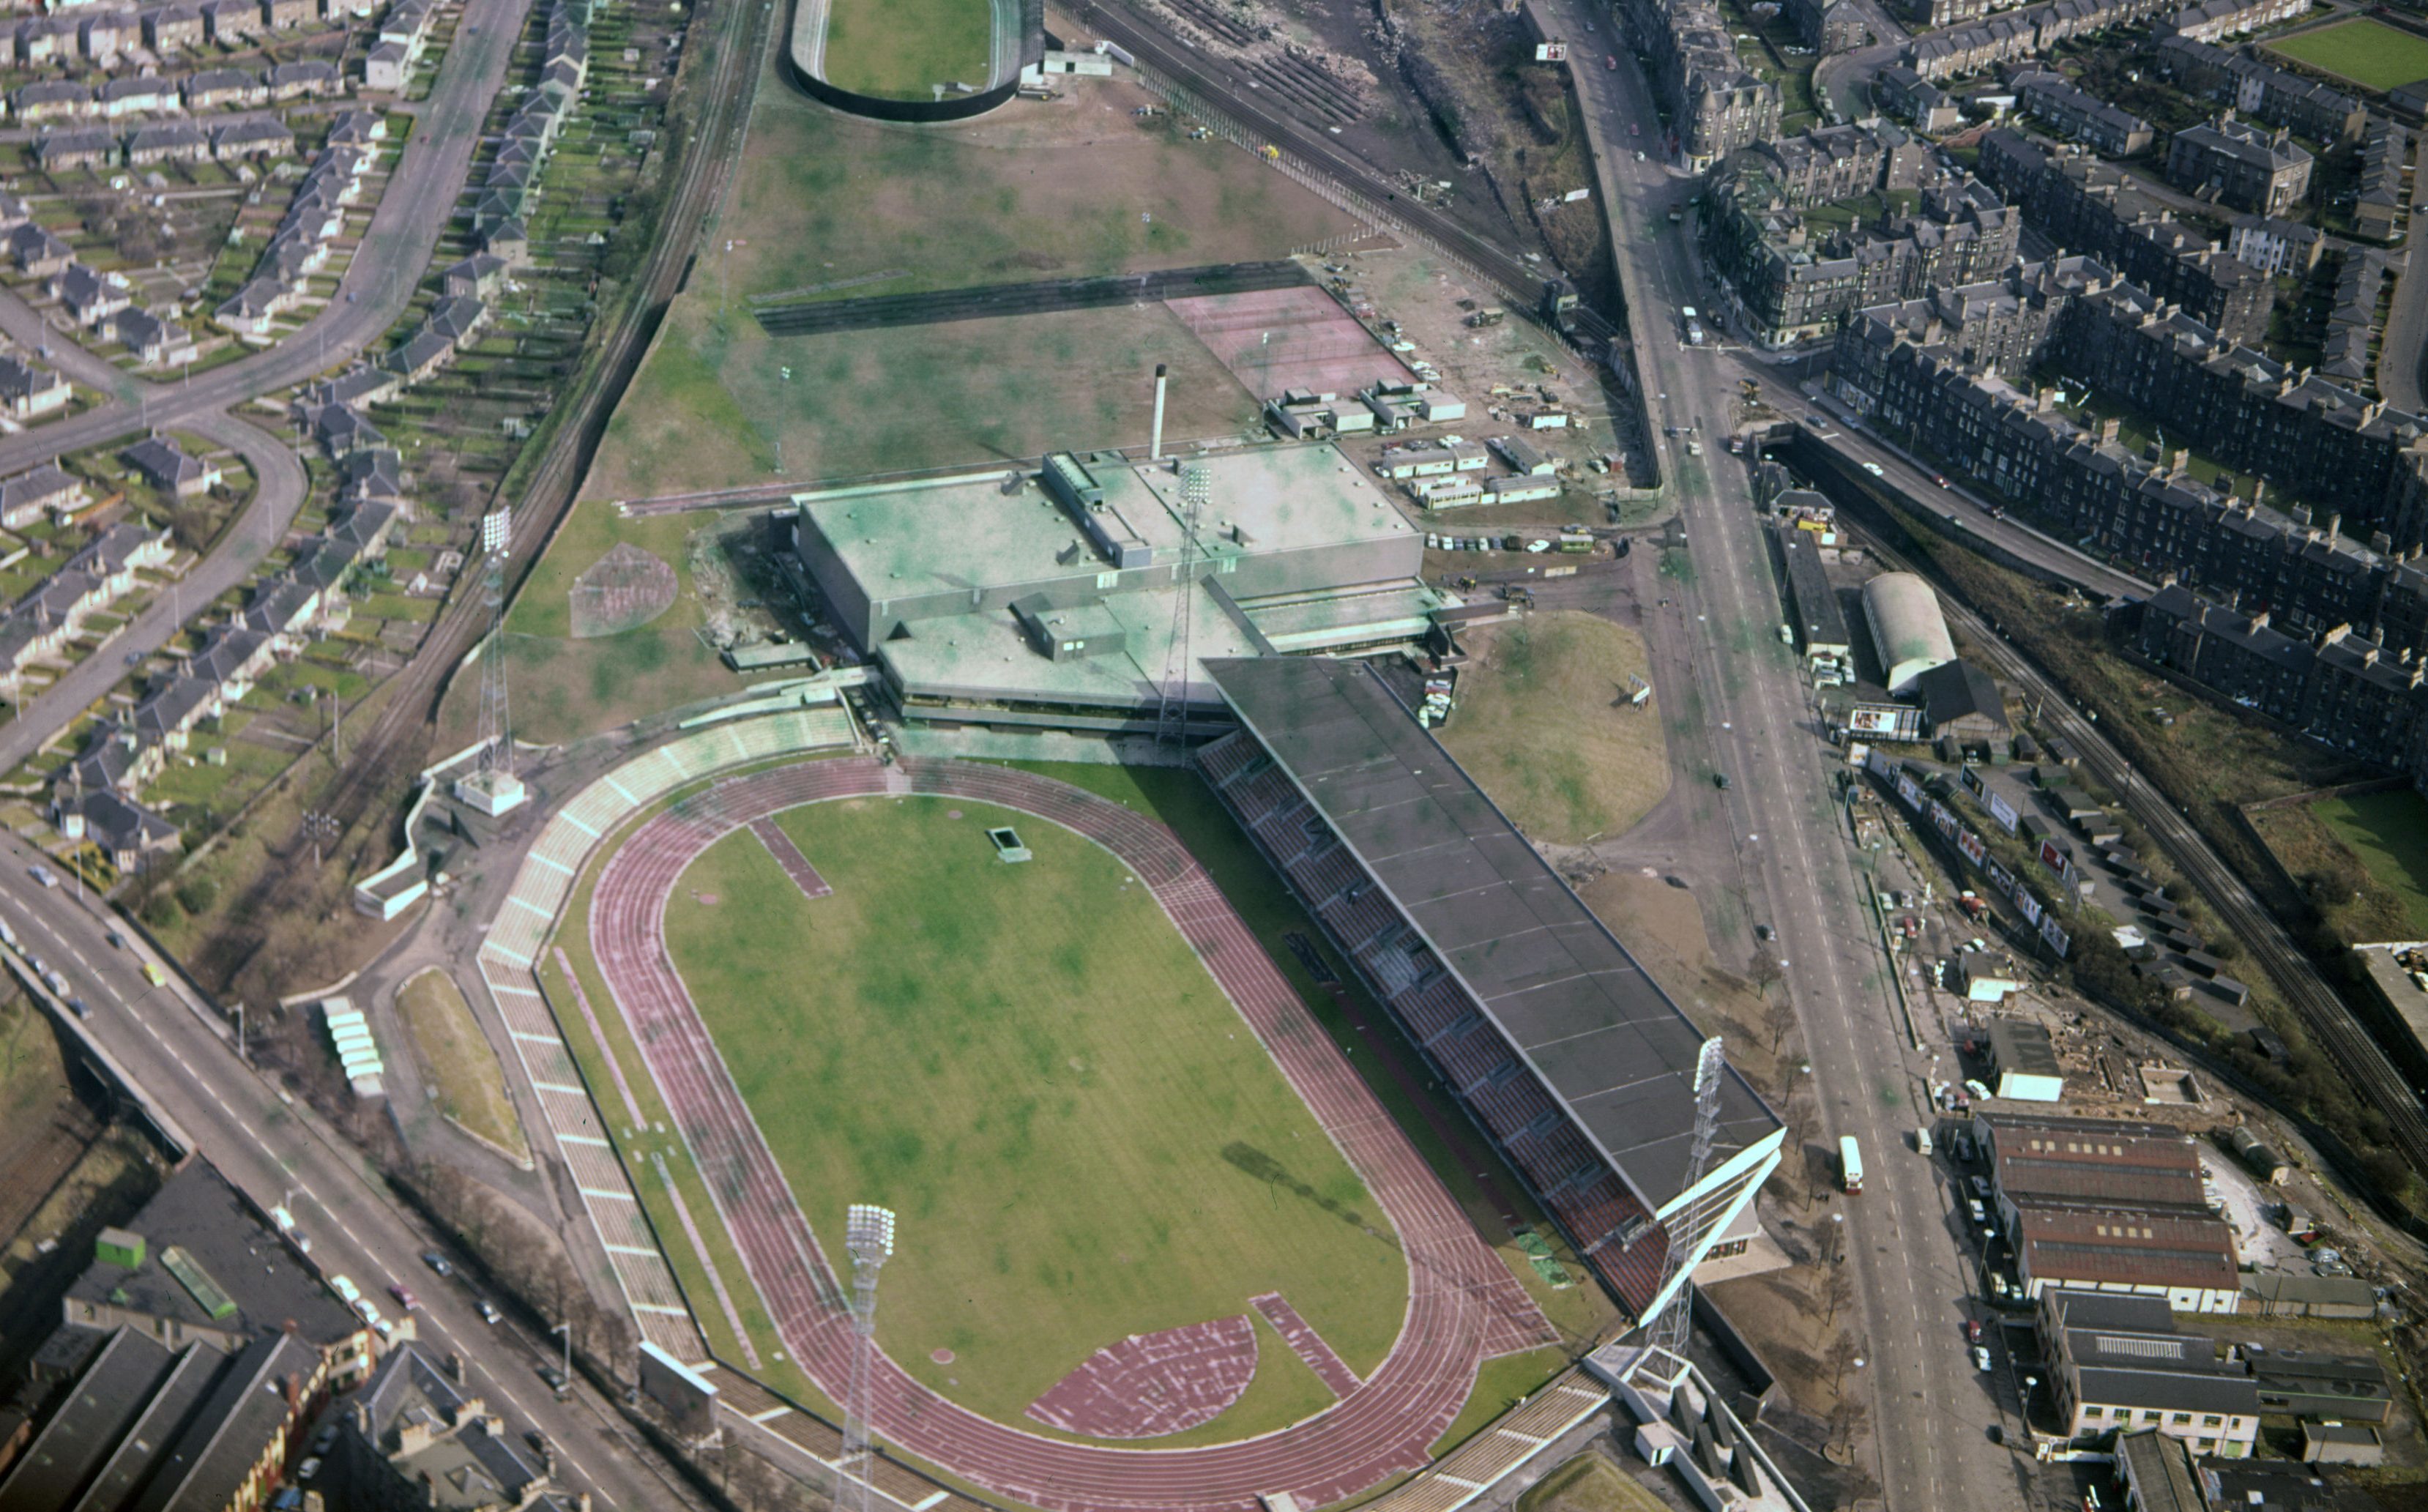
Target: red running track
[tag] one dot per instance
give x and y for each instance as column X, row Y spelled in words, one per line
column 1458, row 1291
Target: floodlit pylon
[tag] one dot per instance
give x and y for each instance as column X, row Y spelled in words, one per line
column 868, row 1236
column 1677, row 1317
column 1171, row 709
column 496, row 725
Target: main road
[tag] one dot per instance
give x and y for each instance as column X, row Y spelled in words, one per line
column 1739, row 709
column 277, row 1151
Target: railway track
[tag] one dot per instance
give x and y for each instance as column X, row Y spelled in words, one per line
column 2322, row 1012
column 374, row 760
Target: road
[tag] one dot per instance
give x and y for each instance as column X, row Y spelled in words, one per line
column 413, row 209
column 177, row 1050
column 1738, row 707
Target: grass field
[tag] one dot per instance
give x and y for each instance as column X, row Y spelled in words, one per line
column 1055, row 1148
column 1544, row 727
column 896, row 49
column 2370, row 53
column 2389, row 833
column 472, row 1085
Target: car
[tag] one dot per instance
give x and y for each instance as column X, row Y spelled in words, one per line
column 439, row 1263
column 43, row 875
column 1634, row 129
column 1609, row 62
column 537, row 1440
column 1639, row 154
column 1980, row 1186
column 555, row 1377
column 1981, row 1355
column 347, row 1291
column 366, row 1311
column 1720, row 780
column 308, row 1469
column 1981, row 1214
column 1972, row 1330
column 117, row 940
column 1997, row 1433
column 1763, row 931
column 403, row 1295
column 1876, row 470
column 153, row 974
column 302, row 1241
column 133, row 657
column 487, row 1310
column 79, row 1008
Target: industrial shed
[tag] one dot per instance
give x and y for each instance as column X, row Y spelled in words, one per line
column 1819, row 622
column 1908, row 631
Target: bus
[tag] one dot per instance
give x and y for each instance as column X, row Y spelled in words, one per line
column 1850, row 1163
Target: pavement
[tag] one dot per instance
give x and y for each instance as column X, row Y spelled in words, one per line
column 2403, row 347
column 276, row 1149
column 1740, row 708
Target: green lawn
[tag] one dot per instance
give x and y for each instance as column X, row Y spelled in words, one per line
column 472, row 1085
column 2389, row 833
column 896, row 49
column 1030, row 1065
column 2370, row 53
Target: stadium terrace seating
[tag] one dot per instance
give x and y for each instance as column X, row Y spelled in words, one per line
column 1506, row 1107
column 1471, row 1056
column 1433, row 1008
column 1268, row 792
column 1548, row 1156
column 1284, row 834
column 1224, row 759
column 1323, row 876
column 1361, row 919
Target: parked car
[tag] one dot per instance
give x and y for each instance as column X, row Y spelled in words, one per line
column 488, row 1311
column 439, row 1263
column 366, row 1311
column 1981, row 1355
column 347, row 1291
column 1972, row 1330
column 43, row 875
column 1981, row 1214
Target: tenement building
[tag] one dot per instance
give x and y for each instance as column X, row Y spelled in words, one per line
column 2088, row 206
column 1987, row 41
column 2234, row 162
column 2260, row 91
column 1792, row 282
column 1717, row 103
column 2053, row 99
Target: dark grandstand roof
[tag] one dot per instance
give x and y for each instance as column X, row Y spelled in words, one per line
column 1560, row 988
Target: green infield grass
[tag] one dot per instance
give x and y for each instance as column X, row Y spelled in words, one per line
column 2389, row 833
column 898, row 49
column 2370, row 53
column 1031, row 1066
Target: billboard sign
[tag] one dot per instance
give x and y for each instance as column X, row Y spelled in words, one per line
column 1975, row 850
column 2055, row 936
column 2004, row 812
column 1908, row 791
column 1885, row 721
column 1550, row 51
column 2029, row 904
column 2000, row 879
column 2052, row 857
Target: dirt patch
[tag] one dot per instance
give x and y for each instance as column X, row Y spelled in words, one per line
column 1545, row 726
column 623, row 590
column 1289, row 338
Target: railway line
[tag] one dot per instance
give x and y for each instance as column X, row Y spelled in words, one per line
column 2324, row 1014
column 412, row 706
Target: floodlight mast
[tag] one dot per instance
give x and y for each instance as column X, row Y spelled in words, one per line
column 868, row 1236
column 1675, row 1321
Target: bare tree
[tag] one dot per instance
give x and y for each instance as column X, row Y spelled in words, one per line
column 1763, row 970
column 1840, row 1357
column 1846, row 1420
column 1837, row 1288
column 1778, row 1019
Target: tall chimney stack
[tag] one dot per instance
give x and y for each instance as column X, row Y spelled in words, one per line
column 1154, row 440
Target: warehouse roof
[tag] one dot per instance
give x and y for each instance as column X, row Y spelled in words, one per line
column 1597, row 1031
column 2115, row 1247
column 2022, row 1050
column 1907, row 628
column 2059, row 1161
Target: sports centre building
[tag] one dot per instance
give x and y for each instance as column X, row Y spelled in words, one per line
column 1562, row 1049
column 1054, row 598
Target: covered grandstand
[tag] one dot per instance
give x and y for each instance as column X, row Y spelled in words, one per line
column 1569, row 1056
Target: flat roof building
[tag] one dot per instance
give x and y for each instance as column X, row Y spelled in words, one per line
column 1053, row 598
column 2024, row 1059
column 1562, row 1047
column 1820, row 623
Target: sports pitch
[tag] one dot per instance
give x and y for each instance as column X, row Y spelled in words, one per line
column 899, row 49
column 1031, row 1066
column 2369, row 53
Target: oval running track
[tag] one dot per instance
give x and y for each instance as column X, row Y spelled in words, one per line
column 1460, row 1296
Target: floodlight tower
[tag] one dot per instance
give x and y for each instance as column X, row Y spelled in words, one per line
column 1171, row 709
column 492, row 787
column 868, row 1235
column 1676, row 1320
